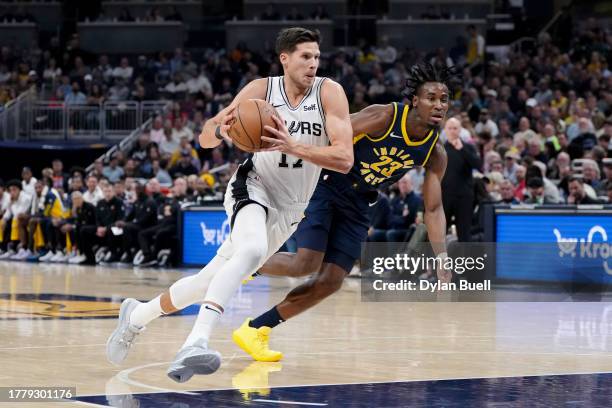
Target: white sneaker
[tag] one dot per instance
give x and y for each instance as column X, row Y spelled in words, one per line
column 77, row 259
column 7, row 254
column 18, row 255
column 47, row 257
column 60, row 257
column 22, row 255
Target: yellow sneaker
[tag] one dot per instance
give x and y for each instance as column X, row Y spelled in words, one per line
column 254, row 379
column 255, row 342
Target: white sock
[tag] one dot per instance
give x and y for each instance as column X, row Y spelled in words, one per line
column 250, row 246
column 204, row 324
column 183, row 293
column 145, row 312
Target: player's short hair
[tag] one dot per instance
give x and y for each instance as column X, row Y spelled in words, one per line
column 289, row 38
column 424, row 72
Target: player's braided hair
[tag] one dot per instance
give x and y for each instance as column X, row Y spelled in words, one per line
column 426, row 72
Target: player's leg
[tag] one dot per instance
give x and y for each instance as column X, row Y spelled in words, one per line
column 346, row 227
column 250, row 247
column 304, row 262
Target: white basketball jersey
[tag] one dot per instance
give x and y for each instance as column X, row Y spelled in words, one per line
column 291, row 181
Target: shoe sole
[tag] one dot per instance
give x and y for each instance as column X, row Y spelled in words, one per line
column 240, row 343
column 202, row 364
column 123, row 315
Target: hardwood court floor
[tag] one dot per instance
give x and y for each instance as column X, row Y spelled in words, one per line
column 54, row 322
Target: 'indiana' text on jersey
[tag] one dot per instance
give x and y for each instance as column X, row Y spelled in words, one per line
column 383, row 160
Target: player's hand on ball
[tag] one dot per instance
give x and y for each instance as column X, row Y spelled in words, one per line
column 226, row 122
column 282, row 142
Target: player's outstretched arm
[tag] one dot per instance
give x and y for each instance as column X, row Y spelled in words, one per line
column 338, row 156
column 253, row 90
column 373, row 120
column 435, row 221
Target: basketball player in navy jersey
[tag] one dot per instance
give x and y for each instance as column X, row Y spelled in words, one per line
column 388, row 141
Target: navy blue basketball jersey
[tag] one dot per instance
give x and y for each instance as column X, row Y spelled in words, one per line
column 382, row 160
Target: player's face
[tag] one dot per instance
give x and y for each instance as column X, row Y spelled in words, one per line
column 431, row 103
column 301, row 64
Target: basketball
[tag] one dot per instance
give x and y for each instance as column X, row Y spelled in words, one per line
column 248, row 127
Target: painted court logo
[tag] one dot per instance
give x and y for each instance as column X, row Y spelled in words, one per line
column 212, row 236
column 585, row 247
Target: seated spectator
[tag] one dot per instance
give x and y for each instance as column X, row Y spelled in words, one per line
column 591, row 174
column 108, row 212
column 93, row 193
column 169, row 144
column 15, row 221
column 535, row 187
column 404, row 208
column 180, row 130
column 113, row 172
column 184, row 145
column 485, row 124
column 75, row 97
column 157, row 131
column 510, row 165
column 139, row 151
column 28, row 181
column 142, row 215
column 153, row 239
column 119, row 91
column 124, row 71
column 506, row 190
column 83, row 214
column 161, row 174
column 577, row 194
column 185, row 166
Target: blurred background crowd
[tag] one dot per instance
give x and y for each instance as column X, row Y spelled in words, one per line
column 529, row 127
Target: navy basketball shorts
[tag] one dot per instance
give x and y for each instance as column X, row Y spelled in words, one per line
column 336, row 222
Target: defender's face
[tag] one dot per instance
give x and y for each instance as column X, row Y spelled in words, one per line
column 431, row 103
column 301, row 64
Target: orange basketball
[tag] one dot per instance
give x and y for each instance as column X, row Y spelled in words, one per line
column 248, row 127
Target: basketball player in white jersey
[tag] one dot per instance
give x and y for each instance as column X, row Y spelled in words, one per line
column 265, row 199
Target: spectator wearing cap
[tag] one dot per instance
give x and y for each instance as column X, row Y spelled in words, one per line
column 511, row 159
column 113, row 172
column 577, row 194
column 28, row 181
column 185, row 166
column 535, row 188
column 485, row 124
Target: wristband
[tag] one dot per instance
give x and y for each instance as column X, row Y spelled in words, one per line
column 218, row 134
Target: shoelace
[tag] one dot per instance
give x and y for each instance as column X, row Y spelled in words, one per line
column 128, row 335
column 262, row 338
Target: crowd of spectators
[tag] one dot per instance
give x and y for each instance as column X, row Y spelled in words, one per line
column 539, row 121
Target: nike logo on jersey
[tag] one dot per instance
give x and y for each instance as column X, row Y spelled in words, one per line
column 278, row 106
column 294, row 223
column 397, row 136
